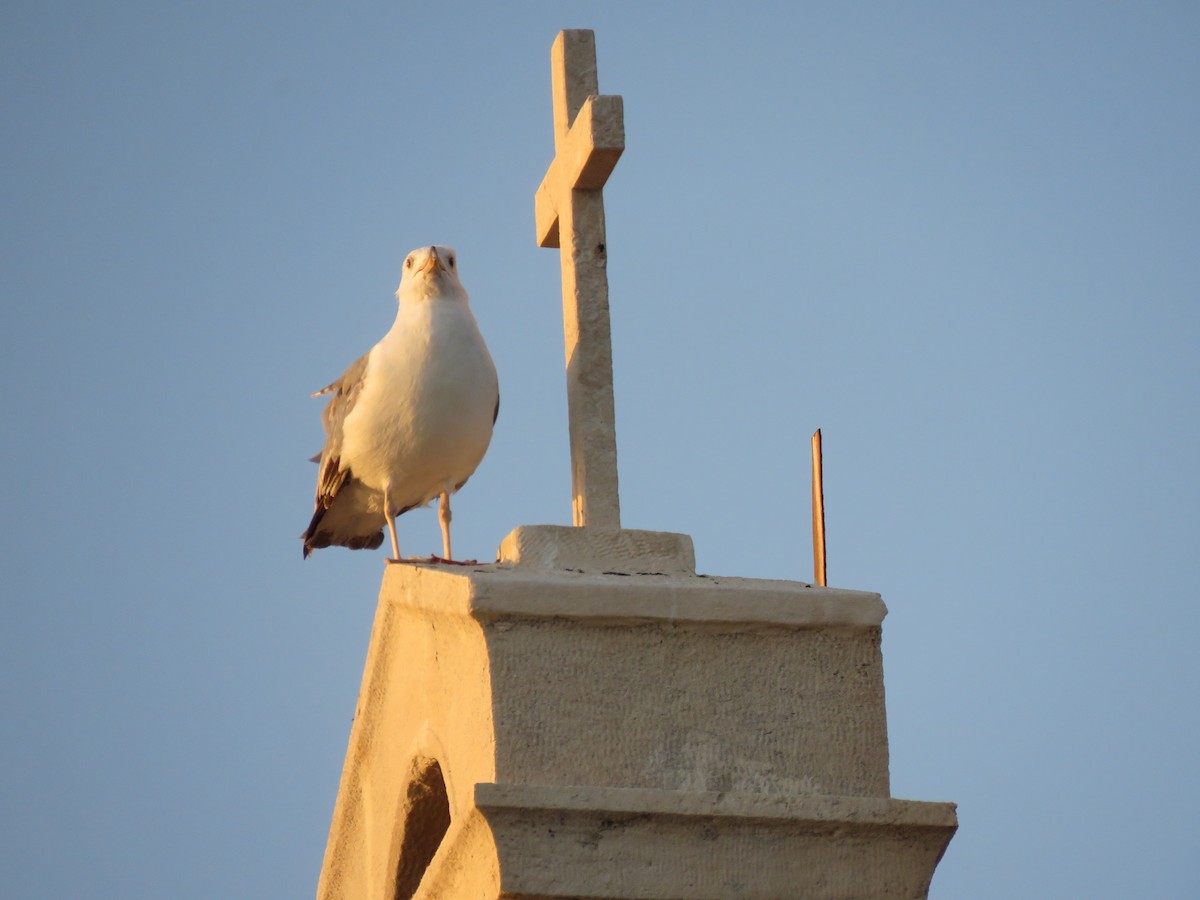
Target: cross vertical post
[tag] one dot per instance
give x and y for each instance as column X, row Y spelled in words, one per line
column 589, row 136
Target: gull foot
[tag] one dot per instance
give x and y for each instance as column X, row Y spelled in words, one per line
column 453, row 562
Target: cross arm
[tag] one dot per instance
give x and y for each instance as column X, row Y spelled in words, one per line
column 585, row 160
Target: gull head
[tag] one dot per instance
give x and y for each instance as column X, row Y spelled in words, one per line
column 430, row 273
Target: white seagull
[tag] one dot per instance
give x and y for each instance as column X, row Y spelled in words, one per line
column 410, row 420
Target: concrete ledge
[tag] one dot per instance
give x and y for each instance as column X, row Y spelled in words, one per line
column 810, row 808
column 627, row 551
column 499, row 591
column 663, row 845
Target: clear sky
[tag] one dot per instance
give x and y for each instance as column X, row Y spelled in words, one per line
column 961, row 238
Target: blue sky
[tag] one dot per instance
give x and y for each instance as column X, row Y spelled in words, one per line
column 961, row 238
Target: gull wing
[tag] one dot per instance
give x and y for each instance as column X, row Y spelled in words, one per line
column 333, row 476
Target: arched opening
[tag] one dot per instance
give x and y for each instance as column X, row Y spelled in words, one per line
column 426, row 812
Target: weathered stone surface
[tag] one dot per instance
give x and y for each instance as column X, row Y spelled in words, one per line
column 556, row 843
column 688, row 706
column 745, row 716
column 591, row 549
column 667, row 845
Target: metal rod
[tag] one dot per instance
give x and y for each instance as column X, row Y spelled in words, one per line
column 818, row 511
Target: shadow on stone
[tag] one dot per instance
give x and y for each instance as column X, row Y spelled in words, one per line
column 426, row 818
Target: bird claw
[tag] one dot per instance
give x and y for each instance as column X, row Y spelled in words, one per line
column 453, row 562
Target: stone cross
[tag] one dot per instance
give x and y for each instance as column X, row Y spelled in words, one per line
column 589, row 135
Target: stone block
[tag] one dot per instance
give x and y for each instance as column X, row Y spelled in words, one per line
column 606, row 724
column 622, row 551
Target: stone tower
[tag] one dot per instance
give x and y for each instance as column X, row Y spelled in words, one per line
column 588, row 716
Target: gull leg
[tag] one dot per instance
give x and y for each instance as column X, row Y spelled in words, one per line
column 391, row 523
column 391, row 520
column 444, row 519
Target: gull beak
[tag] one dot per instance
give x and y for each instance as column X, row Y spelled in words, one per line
column 434, row 265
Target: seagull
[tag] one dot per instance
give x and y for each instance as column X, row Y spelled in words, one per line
column 410, row 420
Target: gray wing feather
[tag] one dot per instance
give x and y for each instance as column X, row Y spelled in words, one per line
column 345, row 392
column 333, row 476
